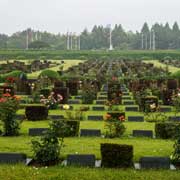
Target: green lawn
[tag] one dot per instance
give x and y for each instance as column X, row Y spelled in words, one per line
column 158, row 64
column 67, row 64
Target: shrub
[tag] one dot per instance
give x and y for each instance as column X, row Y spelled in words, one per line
column 53, row 75
column 47, row 150
column 73, row 127
column 114, row 124
column 166, row 130
column 117, row 155
column 8, row 107
column 35, row 113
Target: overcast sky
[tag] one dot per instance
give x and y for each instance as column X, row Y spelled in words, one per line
column 74, row 15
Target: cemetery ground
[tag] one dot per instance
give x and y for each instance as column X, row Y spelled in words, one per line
column 122, row 90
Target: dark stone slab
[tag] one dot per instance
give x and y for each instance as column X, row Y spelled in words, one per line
column 126, row 93
column 136, row 118
column 78, row 97
column 102, row 98
column 12, row 158
column 155, row 162
column 100, row 101
column 56, row 117
column 174, row 118
column 37, row 131
column 20, row 117
column 90, row 132
column 144, row 133
column 73, row 101
column 103, row 93
column 128, row 102
column 96, row 118
column 165, row 109
column 98, row 108
column 131, row 108
column 81, row 160
column 126, row 98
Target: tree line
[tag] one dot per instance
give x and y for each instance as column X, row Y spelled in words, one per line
column 158, row 36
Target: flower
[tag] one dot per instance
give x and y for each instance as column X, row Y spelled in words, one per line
column 66, row 107
column 108, row 116
column 122, row 118
column 153, row 106
column 6, row 95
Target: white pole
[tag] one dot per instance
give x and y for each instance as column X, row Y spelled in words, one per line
column 79, row 42
column 150, row 45
column 27, row 39
column 110, row 39
column 142, row 41
column 71, row 41
column 146, row 40
column 67, row 40
column 154, row 41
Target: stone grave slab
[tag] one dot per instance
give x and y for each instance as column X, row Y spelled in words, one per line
column 165, row 109
column 56, row 117
column 98, row 108
column 100, row 102
column 126, row 98
column 37, row 131
column 73, row 101
column 90, row 132
column 81, row 160
column 78, row 97
column 174, row 118
column 136, row 118
column 126, row 93
column 102, row 97
column 131, row 108
column 155, row 162
column 143, row 133
column 12, row 158
column 103, row 93
column 128, row 103
column 95, row 118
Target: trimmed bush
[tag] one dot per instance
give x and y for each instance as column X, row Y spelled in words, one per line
column 73, row 127
column 53, row 75
column 35, row 113
column 117, row 155
column 167, row 130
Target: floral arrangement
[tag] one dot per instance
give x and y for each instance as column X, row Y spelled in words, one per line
column 52, row 101
column 8, row 106
column 114, row 126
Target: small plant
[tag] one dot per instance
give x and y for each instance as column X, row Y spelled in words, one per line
column 8, row 106
column 114, row 126
column 176, row 154
column 47, row 149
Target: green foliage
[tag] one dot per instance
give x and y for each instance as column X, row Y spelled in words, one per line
column 166, row 130
column 38, row 45
column 116, row 155
column 53, row 75
column 8, row 107
column 114, row 125
column 47, row 150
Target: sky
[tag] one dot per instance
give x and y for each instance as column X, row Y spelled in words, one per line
column 60, row 16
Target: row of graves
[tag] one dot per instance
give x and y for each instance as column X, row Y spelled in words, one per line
column 107, row 87
column 32, row 66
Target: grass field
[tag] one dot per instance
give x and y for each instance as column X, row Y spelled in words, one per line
column 67, row 64
column 156, row 63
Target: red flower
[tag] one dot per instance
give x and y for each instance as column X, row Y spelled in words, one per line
column 6, row 95
column 122, row 118
column 2, row 100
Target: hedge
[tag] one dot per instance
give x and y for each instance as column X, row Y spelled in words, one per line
column 35, row 113
column 166, row 130
column 116, row 155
